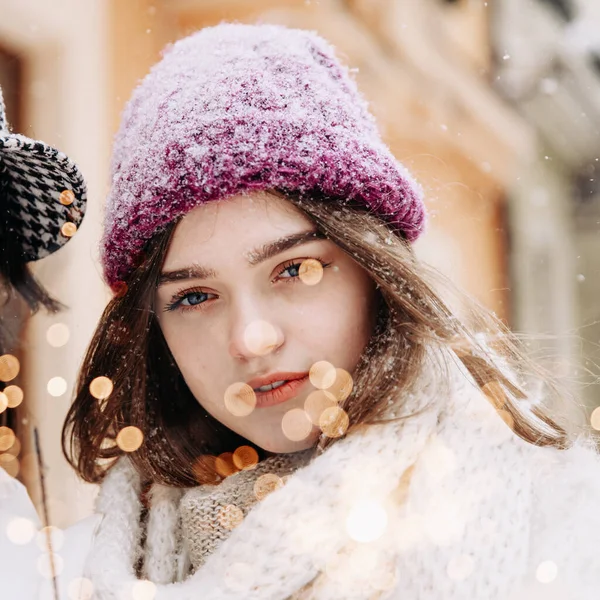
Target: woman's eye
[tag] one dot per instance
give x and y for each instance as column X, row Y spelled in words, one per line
column 291, row 270
column 194, row 299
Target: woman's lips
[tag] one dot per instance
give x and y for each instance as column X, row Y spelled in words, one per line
column 281, row 394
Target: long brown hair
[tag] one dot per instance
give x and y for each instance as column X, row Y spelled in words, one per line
column 150, row 393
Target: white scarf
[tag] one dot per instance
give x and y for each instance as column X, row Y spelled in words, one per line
column 453, row 493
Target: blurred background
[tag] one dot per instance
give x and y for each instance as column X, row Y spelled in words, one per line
column 494, row 106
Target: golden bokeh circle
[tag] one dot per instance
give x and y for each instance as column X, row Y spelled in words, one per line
column 224, row 464
column 20, row 531
column 3, row 402
column 10, row 463
column 14, row 395
column 230, row 516
column 266, row 484
column 595, row 419
column 296, row 425
column 260, row 337
column 68, row 229
column 240, row 399
column 58, row 335
column 9, row 367
column 15, row 449
column 342, row 387
column 57, row 386
column 316, row 403
column 322, row 374
column 130, row 438
column 80, row 588
column 205, row 470
column 7, row 438
column 334, row 422
column 66, row 198
column 101, row 387
column 50, row 565
column 245, row 458
column 310, row 271
column 143, row 590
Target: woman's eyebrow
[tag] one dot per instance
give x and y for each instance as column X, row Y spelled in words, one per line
column 254, row 257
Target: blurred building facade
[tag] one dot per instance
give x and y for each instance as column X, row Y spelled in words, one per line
column 445, row 82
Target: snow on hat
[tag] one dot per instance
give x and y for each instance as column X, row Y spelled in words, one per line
column 239, row 107
column 42, row 193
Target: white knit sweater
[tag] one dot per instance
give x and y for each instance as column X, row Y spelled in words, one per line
column 457, row 508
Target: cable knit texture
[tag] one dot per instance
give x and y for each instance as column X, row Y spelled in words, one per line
column 246, row 107
column 446, row 504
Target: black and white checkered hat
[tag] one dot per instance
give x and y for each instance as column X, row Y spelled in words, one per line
column 42, row 193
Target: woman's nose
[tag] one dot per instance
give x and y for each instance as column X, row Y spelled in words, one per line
column 253, row 333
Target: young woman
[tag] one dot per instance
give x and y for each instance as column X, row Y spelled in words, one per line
column 277, row 402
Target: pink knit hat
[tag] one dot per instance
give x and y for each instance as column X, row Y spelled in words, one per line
column 246, row 107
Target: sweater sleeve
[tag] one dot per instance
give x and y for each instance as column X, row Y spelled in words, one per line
column 564, row 558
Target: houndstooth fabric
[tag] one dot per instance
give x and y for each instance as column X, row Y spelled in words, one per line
column 32, row 177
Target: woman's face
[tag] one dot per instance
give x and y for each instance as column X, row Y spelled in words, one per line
column 236, row 310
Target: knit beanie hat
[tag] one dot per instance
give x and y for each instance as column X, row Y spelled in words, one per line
column 235, row 108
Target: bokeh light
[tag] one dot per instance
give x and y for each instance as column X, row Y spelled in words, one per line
column 7, row 438
column 310, row 271
column 20, row 531
column 50, row 565
column 10, row 463
column 101, row 387
column 80, row 588
column 14, row 395
column 322, row 374
column 66, row 198
column 260, row 337
column 57, row 386
column 342, row 387
column 130, row 438
column 266, row 484
column 230, row 516
column 9, row 367
column 58, row 335
column 224, row 464
column 316, row 403
column 546, row 571
column 595, row 419
column 334, row 422
column 245, row 458
column 296, row 425
column 3, row 402
column 143, row 590
column 366, row 521
column 240, row 399
column 68, row 229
